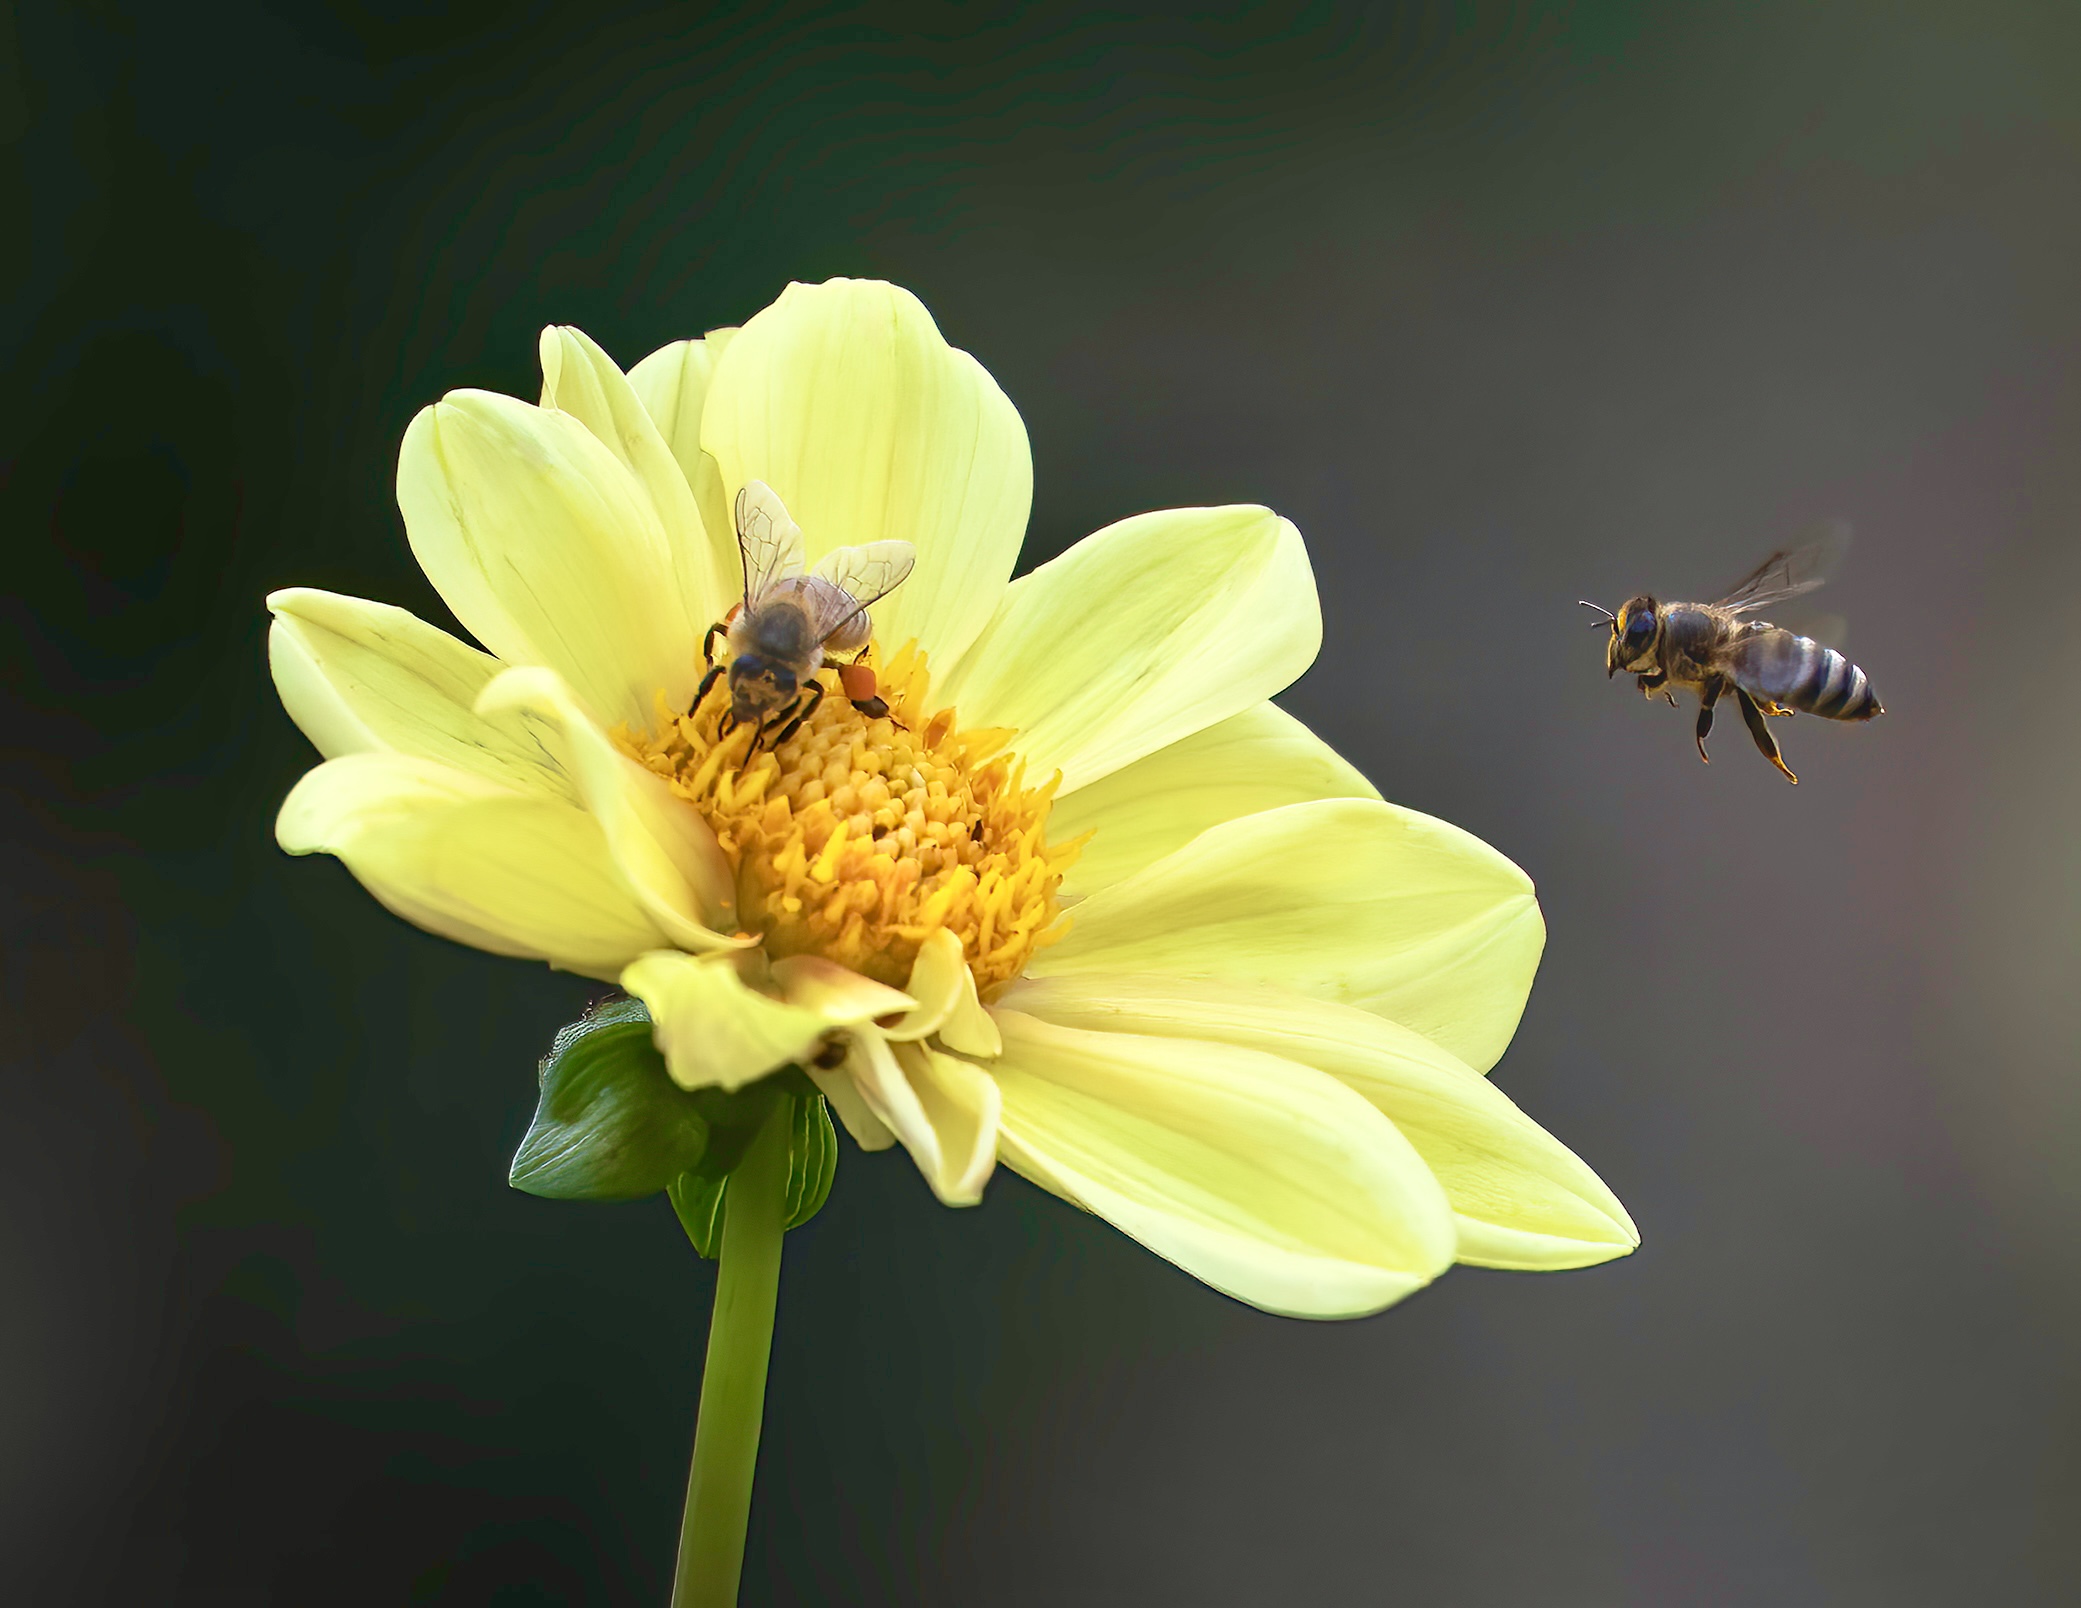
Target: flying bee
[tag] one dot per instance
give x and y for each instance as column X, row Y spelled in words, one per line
column 790, row 623
column 1709, row 648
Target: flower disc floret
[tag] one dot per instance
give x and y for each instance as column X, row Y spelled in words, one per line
column 856, row 839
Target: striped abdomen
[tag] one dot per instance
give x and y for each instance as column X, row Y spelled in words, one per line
column 1799, row 673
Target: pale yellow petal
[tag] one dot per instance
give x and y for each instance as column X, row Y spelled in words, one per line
column 1262, row 1177
column 323, row 712
column 1142, row 634
column 1349, row 900
column 583, row 381
column 970, row 1029
column 460, row 856
column 844, row 398
column 665, row 851
column 947, row 1003
column 541, row 541
column 963, row 1104
column 362, row 677
column 1258, row 760
column 886, row 1088
column 712, row 1028
column 942, row 1110
column 673, row 384
column 858, row 1119
column 934, row 987
column 838, row 994
column 1520, row 1197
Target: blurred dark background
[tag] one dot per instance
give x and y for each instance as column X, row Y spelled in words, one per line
column 1505, row 306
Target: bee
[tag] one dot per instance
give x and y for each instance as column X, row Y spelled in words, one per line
column 1709, row 648
column 790, row 623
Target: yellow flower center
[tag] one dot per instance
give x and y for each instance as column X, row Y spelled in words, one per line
column 857, row 839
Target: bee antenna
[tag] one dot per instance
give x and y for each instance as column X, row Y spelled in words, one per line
column 1609, row 617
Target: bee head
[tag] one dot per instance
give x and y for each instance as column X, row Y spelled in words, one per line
column 1633, row 632
column 758, row 686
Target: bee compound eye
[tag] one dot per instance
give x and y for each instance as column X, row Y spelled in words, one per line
column 1640, row 628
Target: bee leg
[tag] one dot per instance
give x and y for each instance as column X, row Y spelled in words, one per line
column 877, row 708
column 802, row 712
column 1706, row 699
column 873, row 706
column 1759, row 728
column 1650, row 684
column 707, row 684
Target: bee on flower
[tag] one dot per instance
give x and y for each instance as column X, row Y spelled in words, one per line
column 789, row 622
column 1025, row 871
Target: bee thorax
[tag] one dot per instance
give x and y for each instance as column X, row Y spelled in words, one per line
column 778, row 629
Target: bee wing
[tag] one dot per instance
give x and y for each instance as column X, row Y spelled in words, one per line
column 854, row 578
column 1791, row 571
column 769, row 543
column 1830, row 630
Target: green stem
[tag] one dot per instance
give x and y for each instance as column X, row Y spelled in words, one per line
column 733, row 1381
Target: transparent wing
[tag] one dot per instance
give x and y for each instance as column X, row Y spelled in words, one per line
column 768, row 542
column 1803, row 619
column 1830, row 630
column 854, row 578
column 1791, row 571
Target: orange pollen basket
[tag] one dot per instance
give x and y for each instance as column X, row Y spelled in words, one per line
column 858, row 838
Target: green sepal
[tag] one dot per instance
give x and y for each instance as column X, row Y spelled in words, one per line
column 700, row 1195
column 610, row 1123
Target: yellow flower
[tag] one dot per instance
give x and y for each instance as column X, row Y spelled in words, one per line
column 1086, row 903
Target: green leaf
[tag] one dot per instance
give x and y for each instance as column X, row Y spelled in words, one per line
column 700, row 1195
column 610, row 1123
column 812, row 1159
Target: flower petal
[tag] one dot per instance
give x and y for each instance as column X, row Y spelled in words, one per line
column 838, row 994
column 664, row 849
column 1350, row 900
column 944, row 1110
column 1521, row 1198
column 868, row 1130
column 844, row 398
column 583, row 381
column 713, row 1029
column 1258, row 760
column 465, row 858
column 963, row 1104
column 934, row 986
column 1259, row 1176
column 970, row 1029
column 880, row 1080
column 1143, row 633
column 548, row 551
column 673, row 385
column 362, row 677
column 947, row 1004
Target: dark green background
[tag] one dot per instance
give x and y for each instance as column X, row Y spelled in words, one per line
column 1504, row 306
